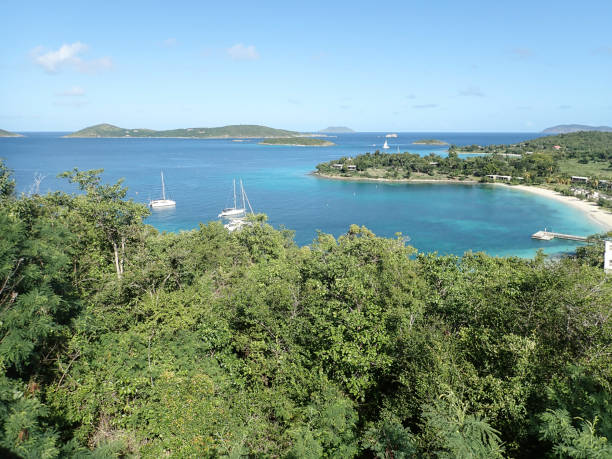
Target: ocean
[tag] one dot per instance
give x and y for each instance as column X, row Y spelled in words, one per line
column 443, row 218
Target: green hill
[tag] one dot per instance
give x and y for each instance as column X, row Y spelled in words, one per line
column 567, row 128
column 4, row 133
column 233, row 131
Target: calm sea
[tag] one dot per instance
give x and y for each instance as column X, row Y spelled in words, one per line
column 199, row 173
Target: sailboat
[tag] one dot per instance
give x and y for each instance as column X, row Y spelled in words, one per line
column 237, row 215
column 163, row 202
column 386, row 145
column 235, row 211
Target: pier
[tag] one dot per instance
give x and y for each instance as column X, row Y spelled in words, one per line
column 549, row 235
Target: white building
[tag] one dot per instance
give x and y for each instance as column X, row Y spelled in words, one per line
column 608, row 257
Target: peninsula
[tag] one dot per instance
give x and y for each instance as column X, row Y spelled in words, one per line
column 337, row 130
column 572, row 166
column 567, row 128
column 240, row 131
column 429, row 142
column 4, row 133
column 297, row 142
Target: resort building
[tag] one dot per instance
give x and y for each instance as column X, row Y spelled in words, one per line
column 494, row 177
column 337, row 166
column 576, row 178
column 351, row 167
column 608, row 257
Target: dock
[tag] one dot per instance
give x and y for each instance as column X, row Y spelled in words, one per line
column 549, row 235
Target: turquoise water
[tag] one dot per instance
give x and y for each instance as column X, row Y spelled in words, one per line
column 446, row 218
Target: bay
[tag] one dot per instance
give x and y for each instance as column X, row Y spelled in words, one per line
column 447, row 218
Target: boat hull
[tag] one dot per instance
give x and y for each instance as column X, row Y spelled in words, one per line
column 161, row 203
column 232, row 213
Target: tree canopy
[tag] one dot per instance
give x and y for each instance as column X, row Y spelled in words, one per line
column 118, row 340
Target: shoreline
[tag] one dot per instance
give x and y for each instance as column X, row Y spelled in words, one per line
column 374, row 179
column 596, row 213
column 593, row 211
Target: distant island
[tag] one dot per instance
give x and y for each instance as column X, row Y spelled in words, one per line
column 298, row 142
column 568, row 128
column 4, row 133
column 429, row 142
column 244, row 131
column 337, row 130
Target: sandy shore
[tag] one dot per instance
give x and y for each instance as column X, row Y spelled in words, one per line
column 595, row 212
column 411, row 180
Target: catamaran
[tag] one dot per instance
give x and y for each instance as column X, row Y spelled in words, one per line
column 386, row 145
column 163, row 202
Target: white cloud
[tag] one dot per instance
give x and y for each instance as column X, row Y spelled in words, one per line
column 471, row 91
column 169, row 42
column 240, row 52
column 75, row 91
column 68, row 56
column 425, row 106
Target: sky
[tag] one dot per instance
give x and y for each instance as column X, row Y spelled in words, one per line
column 372, row 66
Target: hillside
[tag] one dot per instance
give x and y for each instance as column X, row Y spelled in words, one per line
column 337, row 130
column 298, row 142
column 4, row 133
column 567, row 128
column 232, row 131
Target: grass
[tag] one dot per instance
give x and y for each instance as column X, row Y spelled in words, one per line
column 599, row 169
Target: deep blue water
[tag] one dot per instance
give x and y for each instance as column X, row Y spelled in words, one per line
column 446, row 218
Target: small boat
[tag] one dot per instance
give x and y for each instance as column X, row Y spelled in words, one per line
column 236, row 224
column 163, row 202
column 391, row 136
column 235, row 211
column 386, row 145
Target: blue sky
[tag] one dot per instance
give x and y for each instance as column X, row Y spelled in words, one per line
column 372, row 66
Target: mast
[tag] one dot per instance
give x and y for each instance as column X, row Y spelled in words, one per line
column 234, row 193
column 242, row 192
column 163, row 186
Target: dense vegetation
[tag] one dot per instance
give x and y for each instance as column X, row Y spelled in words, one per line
column 536, row 168
column 234, row 131
column 117, row 340
column 298, row 141
column 584, row 146
column 4, row 133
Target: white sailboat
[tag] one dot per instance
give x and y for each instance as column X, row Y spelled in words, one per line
column 163, row 202
column 235, row 211
column 386, row 145
column 237, row 216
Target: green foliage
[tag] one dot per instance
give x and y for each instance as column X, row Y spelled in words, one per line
column 571, row 442
column 459, row 434
column 7, row 184
column 116, row 340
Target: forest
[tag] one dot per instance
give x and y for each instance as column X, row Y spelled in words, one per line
column 117, row 340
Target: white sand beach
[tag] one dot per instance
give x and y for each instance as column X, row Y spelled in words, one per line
column 598, row 214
